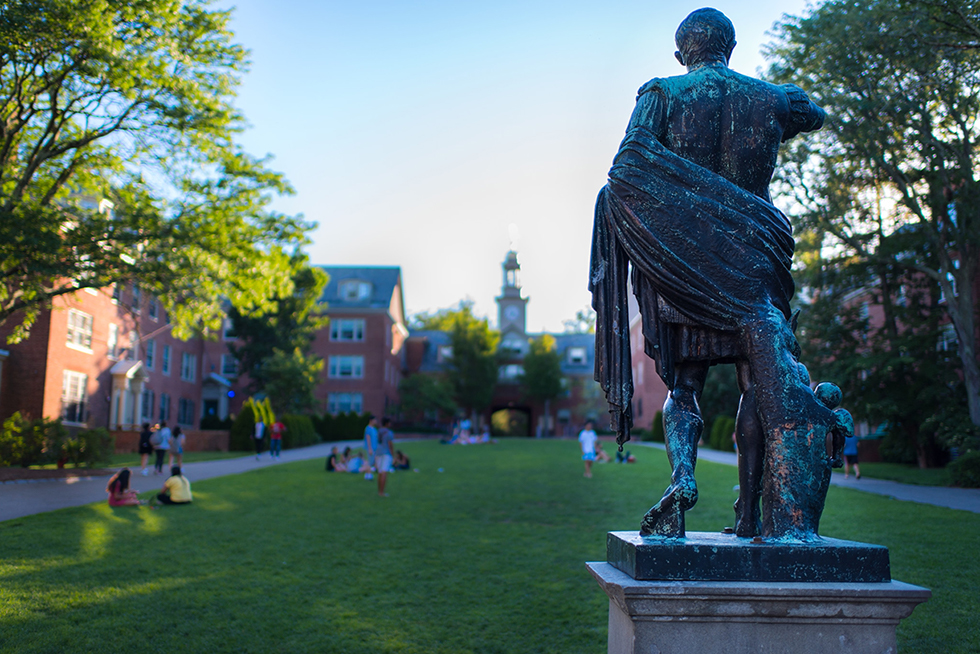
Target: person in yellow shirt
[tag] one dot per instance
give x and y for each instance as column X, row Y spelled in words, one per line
column 176, row 490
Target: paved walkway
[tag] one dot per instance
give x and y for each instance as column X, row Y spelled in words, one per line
column 964, row 499
column 18, row 499
column 21, row 498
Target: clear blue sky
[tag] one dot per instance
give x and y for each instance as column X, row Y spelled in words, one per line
column 429, row 134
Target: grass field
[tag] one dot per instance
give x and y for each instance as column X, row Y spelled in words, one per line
column 133, row 460
column 906, row 474
column 486, row 557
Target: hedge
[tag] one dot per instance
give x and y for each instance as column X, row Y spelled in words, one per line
column 965, row 471
column 299, row 431
column 341, row 427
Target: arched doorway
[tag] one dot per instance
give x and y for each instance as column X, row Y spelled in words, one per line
column 510, row 421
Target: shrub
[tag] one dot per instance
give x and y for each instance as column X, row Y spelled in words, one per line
column 720, row 437
column 214, row 422
column 657, row 428
column 299, row 431
column 25, row 442
column 341, row 427
column 965, row 471
column 90, row 448
column 243, row 429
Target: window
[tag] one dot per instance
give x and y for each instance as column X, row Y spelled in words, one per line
column 188, row 365
column 164, row 406
column 576, row 356
column 165, row 360
column 347, row 330
column 151, row 350
column 153, row 309
column 444, row 353
column 947, row 338
column 185, row 412
column 344, row 403
column 147, row 405
column 229, row 365
column 113, row 341
column 228, row 331
column 79, row 329
column 116, row 292
column 511, row 372
column 73, row 395
column 346, row 367
column 137, row 299
column 354, row 291
column 134, row 344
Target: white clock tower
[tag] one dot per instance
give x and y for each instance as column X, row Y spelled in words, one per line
column 512, row 308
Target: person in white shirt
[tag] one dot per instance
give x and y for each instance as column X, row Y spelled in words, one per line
column 587, row 439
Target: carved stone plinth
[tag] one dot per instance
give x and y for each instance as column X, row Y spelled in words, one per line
column 708, row 617
column 703, row 556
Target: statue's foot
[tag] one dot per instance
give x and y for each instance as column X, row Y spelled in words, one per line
column 748, row 523
column 667, row 517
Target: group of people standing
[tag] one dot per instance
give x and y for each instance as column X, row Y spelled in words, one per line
column 160, row 440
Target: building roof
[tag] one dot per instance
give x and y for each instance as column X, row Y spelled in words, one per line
column 382, row 280
column 433, row 341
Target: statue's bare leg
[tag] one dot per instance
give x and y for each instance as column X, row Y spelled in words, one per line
column 682, row 431
column 751, row 449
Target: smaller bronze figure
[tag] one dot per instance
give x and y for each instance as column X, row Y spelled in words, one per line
column 687, row 206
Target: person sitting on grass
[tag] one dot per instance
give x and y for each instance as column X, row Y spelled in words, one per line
column 401, row 461
column 358, row 463
column 335, row 462
column 119, row 492
column 176, row 490
column 600, row 454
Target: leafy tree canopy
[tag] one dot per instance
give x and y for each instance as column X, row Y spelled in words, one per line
column 583, row 323
column 131, row 101
column 889, row 189
column 423, row 395
column 276, row 345
column 472, row 370
column 542, row 379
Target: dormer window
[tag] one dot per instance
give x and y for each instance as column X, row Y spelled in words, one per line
column 353, row 290
column 576, row 356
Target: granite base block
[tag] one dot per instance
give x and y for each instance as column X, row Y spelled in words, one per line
column 725, row 557
column 715, row 617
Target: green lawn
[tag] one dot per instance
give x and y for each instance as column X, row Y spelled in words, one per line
column 906, row 474
column 487, row 556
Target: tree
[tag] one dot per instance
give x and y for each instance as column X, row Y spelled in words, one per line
column 130, row 101
column 892, row 177
column 423, row 395
column 583, row 323
column 290, row 379
column 542, row 379
column 472, row 370
column 274, row 349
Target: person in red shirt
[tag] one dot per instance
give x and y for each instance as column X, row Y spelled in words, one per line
column 275, row 444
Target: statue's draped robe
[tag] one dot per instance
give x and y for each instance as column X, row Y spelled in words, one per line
column 699, row 245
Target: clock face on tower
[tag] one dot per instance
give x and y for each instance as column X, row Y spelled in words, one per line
column 512, row 313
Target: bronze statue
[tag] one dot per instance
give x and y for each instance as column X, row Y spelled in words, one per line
column 687, row 206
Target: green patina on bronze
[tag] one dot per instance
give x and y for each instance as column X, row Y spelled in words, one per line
column 687, row 208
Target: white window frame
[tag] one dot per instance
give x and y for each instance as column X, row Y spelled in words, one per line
column 164, row 409
column 354, row 290
column 229, row 366
column 228, row 330
column 74, row 392
column 112, row 342
column 346, row 367
column 152, row 309
column 578, row 356
column 347, row 330
column 146, row 405
column 188, row 367
column 444, row 353
column 165, row 360
column 345, row 403
column 79, row 335
column 150, row 354
column 183, row 406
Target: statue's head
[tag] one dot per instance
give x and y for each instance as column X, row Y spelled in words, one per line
column 706, row 35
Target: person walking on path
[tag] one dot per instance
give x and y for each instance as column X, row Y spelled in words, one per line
column 259, row 436
column 384, row 455
column 587, row 439
column 177, row 447
column 145, row 447
column 176, row 490
column 851, row 456
column 161, row 445
column 370, row 443
column 275, row 441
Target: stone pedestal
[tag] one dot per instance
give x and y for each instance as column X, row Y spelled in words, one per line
column 708, row 617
